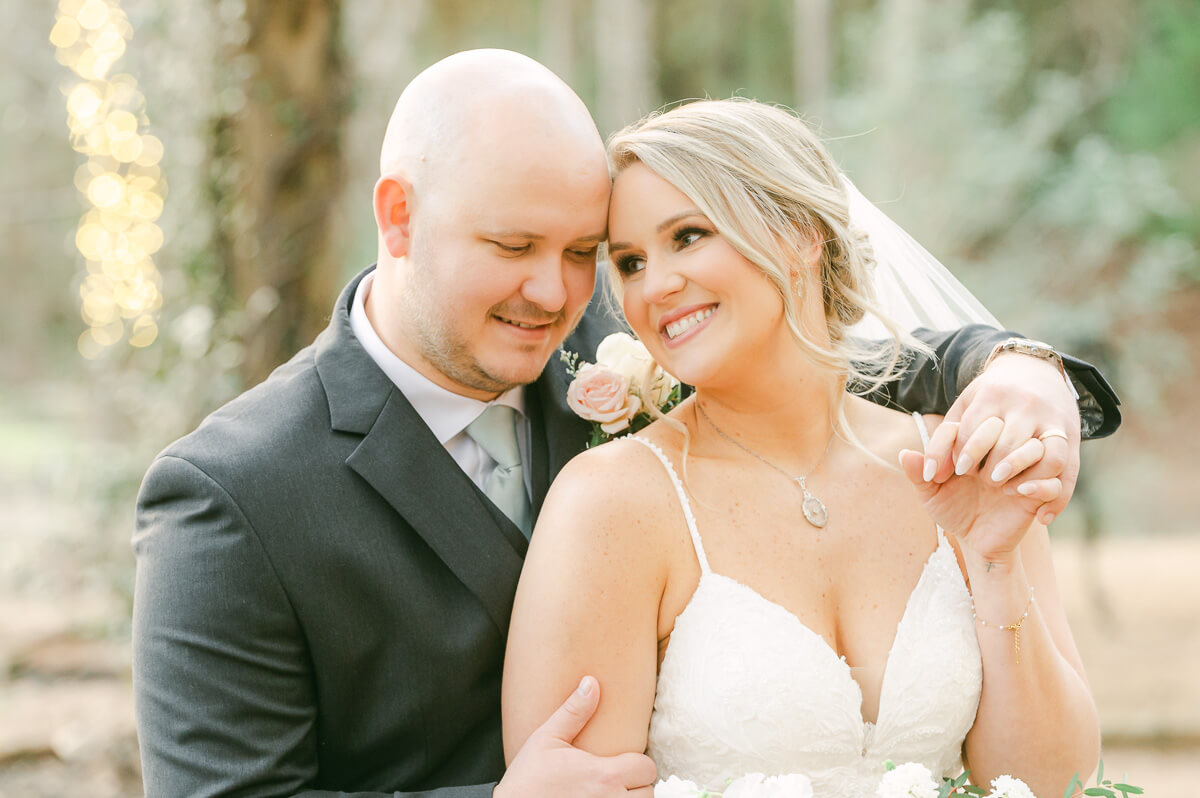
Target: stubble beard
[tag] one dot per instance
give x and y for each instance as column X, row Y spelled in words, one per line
column 447, row 349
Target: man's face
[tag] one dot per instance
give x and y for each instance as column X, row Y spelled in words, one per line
column 502, row 264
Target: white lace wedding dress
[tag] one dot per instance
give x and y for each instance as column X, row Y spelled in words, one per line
column 746, row 687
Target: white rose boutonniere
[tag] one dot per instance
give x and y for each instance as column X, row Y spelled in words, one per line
column 616, row 392
column 629, row 357
column 602, row 396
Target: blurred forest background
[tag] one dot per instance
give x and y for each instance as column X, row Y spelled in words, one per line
column 1048, row 153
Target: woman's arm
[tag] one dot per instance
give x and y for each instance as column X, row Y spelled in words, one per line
column 1036, row 717
column 588, row 600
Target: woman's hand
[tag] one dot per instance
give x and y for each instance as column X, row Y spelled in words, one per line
column 974, row 506
column 1030, row 398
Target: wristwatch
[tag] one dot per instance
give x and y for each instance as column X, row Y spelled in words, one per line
column 1038, row 349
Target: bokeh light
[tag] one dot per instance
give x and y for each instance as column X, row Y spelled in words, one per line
column 121, row 180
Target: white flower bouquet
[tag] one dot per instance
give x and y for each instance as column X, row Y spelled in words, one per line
column 616, row 392
column 909, row 780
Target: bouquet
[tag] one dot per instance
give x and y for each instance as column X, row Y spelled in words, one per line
column 910, row 780
column 617, row 391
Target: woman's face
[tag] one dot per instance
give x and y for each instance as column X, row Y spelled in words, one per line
column 703, row 311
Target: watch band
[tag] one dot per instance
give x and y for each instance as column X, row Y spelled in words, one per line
column 1038, row 349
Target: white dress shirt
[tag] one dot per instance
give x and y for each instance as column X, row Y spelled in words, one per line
column 446, row 413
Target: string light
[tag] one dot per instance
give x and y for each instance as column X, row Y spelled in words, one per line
column 120, row 298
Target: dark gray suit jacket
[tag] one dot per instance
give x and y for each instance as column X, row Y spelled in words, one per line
column 323, row 595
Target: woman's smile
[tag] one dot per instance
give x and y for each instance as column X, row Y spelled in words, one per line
column 682, row 325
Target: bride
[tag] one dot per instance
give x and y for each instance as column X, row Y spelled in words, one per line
column 755, row 582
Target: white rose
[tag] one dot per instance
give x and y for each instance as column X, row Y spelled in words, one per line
column 1009, row 787
column 675, row 787
column 628, row 357
column 755, row 785
column 910, row 780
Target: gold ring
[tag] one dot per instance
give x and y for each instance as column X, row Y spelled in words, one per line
column 1053, row 433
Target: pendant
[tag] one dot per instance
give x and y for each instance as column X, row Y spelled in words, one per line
column 814, row 509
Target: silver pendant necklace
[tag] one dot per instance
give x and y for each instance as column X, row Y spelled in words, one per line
column 813, row 508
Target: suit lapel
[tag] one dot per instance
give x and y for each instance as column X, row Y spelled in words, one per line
column 539, row 454
column 564, row 433
column 404, row 462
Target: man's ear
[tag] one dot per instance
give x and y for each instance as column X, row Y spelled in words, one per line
column 393, row 204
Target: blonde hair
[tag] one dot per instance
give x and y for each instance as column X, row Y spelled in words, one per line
column 770, row 187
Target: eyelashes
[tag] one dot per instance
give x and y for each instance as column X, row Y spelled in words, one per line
column 681, row 238
column 684, row 236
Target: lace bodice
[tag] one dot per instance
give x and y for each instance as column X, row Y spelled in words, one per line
column 746, row 687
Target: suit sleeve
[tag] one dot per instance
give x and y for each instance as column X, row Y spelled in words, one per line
column 932, row 384
column 223, row 690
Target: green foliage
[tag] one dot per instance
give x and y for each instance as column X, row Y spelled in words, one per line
column 718, row 48
column 1159, row 100
column 1061, row 232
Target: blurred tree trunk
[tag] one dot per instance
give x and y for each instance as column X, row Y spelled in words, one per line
column 625, row 61
column 558, row 37
column 278, row 171
column 812, row 54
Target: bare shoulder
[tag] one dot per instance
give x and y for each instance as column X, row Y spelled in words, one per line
column 618, row 490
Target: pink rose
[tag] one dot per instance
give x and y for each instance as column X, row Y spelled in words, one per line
column 601, row 395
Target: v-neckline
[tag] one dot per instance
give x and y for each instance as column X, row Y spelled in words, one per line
column 823, row 643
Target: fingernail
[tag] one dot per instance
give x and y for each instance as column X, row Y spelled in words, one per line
column 963, row 465
column 930, row 469
column 1002, row 472
column 585, row 687
column 1048, row 519
column 1026, row 488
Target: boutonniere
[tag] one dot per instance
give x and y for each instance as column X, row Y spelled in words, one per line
column 617, row 391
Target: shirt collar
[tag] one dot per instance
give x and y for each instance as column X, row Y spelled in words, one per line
column 446, row 413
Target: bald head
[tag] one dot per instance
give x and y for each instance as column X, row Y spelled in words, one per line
column 491, row 203
column 492, row 102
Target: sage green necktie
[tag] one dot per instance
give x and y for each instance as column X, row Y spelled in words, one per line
column 496, row 433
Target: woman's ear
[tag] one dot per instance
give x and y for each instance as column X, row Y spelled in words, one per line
column 393, row 203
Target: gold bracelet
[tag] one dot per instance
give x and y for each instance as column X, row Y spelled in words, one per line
column 1012, row 627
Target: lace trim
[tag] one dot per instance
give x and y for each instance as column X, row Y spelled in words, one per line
column 683, row 500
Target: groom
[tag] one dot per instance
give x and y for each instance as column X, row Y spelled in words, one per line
column 327, row 565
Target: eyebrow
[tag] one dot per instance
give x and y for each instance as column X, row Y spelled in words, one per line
column 614, row 246
column 529, row 236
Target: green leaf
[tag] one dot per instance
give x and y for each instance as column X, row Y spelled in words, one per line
column 971, row 789
column 1129, row 788
column 1100, row 772
column 1100, row 791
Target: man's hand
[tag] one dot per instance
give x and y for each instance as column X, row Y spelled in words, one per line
column 549, row 765
column 1016, row 398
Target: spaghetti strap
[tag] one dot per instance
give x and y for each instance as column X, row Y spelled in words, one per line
column 683, row 500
